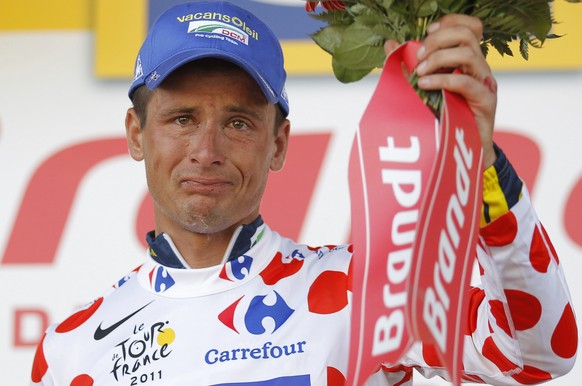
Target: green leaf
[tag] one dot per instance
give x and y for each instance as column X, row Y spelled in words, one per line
column 541, row 25
column 485, row 49
column 524, row 48
column 451, row 6
column 360, row 9
column 329, row 38
column 346, row 75
column 427, row 8
column 383, row 30
column 501, row 46
column 333, row 17
column 370, row 20
column 360, row 48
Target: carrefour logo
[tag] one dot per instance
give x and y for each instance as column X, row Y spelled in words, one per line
column 253, row 313
column 217, row 27
column 160, row 279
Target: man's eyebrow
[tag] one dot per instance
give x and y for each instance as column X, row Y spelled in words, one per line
column 238, row 109
column 244, row 110
column 178, row 111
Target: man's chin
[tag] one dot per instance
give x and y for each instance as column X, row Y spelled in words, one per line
column 207, row 225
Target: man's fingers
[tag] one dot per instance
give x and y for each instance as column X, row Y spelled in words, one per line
column 457, row 36
column 453, row 20
column 463, row 58
column 467, row 85
column 390, row 46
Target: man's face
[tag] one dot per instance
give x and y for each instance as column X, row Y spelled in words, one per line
column 208, row 144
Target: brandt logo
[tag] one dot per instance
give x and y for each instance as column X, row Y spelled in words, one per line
column 102, row 333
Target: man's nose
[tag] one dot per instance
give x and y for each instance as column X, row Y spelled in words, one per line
column 206, row 145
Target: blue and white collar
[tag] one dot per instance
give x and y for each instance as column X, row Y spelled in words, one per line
column 164, row 252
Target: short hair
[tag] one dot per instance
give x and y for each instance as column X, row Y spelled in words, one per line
column 140, row 99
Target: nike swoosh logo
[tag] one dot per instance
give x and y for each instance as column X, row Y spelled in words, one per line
column 101, row 333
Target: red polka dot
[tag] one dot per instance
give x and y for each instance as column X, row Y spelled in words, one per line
column 39, row 365
column 335, row 377
column 78, row 318
column 328, row 293
column 538, row 254
column 278, row 269
column 492, row 352
column 498, row 312
column 532, row 376
column 430, row 356
column 525, row 309
column 476, row 296
column 501, row 231
column 565, row 336
column 82, row 380
column 550, row 245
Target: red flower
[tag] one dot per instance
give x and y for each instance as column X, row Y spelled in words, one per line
column 328, row 5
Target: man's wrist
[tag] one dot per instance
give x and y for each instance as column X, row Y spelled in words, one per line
column 489, row 157
column 501, row 188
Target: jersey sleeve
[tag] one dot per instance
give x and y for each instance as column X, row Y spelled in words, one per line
column 521, row 327
column 40, row 374
column 47, row 357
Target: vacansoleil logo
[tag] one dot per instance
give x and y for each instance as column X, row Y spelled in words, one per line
column 217, row 27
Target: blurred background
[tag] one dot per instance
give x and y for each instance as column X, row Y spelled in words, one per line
column 74, row 207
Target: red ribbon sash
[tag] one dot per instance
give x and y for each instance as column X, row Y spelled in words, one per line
column 415, row 191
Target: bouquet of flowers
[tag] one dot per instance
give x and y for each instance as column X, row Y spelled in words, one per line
column 356, row 29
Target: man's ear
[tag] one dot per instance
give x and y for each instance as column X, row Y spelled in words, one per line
column 133, row 133
column 281, row 142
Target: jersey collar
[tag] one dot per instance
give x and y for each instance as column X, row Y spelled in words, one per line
column 164, row 252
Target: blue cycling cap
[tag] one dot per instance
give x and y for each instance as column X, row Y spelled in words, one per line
column 216, row 29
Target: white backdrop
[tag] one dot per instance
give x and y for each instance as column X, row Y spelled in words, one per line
column 49, row 101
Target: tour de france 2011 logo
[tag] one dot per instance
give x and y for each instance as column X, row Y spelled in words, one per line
column 147, row 345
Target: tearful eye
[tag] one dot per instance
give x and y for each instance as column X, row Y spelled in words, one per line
column 239, row 125
column 183, row 120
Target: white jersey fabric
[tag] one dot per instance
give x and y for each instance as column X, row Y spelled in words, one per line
column 278, row 314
